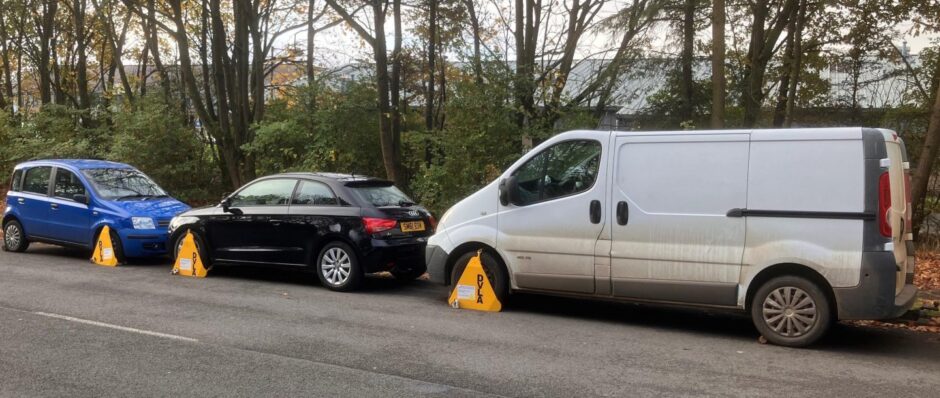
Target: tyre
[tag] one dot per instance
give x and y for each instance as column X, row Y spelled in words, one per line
column 492, row 267
column 115, row 244
column 200, row 247
column 14, row 239
column 791, row 311
column 410, row 274
column 338, row 267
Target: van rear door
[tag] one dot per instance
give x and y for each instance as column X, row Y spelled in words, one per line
column 671, row 237
column 896, row 210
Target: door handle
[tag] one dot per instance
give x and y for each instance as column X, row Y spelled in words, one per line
column 595, row 212
column 623, row 213
column 54, row 206
column 20, row 200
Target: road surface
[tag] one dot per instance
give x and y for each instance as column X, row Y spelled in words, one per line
column 70, row 328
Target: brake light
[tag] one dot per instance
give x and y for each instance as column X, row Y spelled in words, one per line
column 375, row 225
column 884, row 204
column 433, row 222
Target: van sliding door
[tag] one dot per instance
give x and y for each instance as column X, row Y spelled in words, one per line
column 671, row 238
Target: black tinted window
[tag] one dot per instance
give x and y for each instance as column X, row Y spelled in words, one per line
column 17, row 179
column 37, row 180
column 67, row 185
column 382, row 195
column 563, row 169
column 313, row 194
column 265, row 193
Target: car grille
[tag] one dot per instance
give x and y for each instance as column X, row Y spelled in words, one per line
column 163, row 223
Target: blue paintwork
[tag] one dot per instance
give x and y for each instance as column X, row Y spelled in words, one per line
column 74, row 223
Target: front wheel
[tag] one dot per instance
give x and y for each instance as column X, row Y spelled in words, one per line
column 14, row 240
column 492, row 267
column 791, row 311
column 200, row 248
column 338, row 268
column 115, row 244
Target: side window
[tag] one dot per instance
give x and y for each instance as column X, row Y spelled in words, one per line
column 563, row 169
column 17, row 179
column 313, row 193
column 67, row 185
column 265, row 193
column 36, row 180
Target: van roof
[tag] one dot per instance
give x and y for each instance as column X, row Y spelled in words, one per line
column 76, row 164
column 827, row 133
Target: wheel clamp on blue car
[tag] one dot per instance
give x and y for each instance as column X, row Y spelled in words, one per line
column 76, row 202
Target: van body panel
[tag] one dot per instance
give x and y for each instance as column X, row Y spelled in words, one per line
column 677, row 229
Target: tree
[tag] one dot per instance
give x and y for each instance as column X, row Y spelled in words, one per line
column 769, row 18
column 718, row 64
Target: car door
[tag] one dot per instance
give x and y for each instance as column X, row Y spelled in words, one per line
column 251, row 230
column 550, row 232
column 33, row 201
column 671, row 238
column 315, row 212
column 69, row 215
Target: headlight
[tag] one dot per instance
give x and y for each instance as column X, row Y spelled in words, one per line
column 143, row 223
column 180, row 221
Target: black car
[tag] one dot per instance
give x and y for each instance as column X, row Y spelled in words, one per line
column 341, row 225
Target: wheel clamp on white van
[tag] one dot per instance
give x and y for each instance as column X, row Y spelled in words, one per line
column 473, row 290
column 188, row 261
column 104, row 249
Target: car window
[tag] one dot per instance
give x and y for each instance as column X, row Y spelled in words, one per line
column 17, row 179
column 36, row 180
column 123, row 184
column 381, row 194
column 313, row 193
column 563, row 169
column 67, row 185
column 276, row 192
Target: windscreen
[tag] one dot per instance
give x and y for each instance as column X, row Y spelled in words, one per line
column 382, row 195
column 123, row 184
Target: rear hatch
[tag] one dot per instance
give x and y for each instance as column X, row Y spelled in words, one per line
column 389, row 213
column 895, row 208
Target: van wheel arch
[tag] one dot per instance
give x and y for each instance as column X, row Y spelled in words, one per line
column 793, row 269
column 472, row 247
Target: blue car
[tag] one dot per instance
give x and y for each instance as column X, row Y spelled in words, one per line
column 68, row 203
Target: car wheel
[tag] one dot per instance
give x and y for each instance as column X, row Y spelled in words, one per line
column 14, row 239
column 115, row 244
column 410, row 274
column 200, row 247
column 791, row 311
column 492, row 267
column 338, row 268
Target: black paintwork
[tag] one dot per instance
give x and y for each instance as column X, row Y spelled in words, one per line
column 292, row 235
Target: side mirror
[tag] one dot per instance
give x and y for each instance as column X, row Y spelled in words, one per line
column 80, row 199
column 512, row 191
column 503, row 192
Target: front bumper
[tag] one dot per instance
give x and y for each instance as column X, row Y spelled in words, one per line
column 143, row 242
column 436, row 258
column 874, row 297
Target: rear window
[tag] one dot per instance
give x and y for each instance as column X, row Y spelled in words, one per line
column 382, row 195
column 17, row 179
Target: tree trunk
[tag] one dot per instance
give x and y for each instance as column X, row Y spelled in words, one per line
column 475, row 27
column 688, row 47
column 432, row 56
column 718, row 64
column 311, row 35
column 46, row 31
column 761, row 48
column 783, row 87
column 78, row 8
column 926, row 161
column 797, row 65
column 395, row 88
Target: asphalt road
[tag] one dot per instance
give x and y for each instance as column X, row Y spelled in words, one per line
column 70, row 328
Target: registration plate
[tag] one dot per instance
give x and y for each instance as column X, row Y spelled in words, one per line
column 412, row 226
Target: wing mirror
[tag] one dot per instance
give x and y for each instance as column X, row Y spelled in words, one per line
column 80, row 199
column 509, row 191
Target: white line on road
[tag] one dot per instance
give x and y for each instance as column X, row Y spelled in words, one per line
column 117, row 327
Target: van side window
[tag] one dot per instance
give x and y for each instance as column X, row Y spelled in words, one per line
column 17, row 179
column 563, row 169
column 37, row 180
column 312, row 193
column 67, row 185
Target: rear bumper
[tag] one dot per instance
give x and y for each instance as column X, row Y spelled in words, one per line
column 875, row 297
column 436, row 258
column 390, row 255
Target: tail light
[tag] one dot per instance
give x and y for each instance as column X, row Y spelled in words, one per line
column 432, row 221
column 884, row 204
column 375, row 225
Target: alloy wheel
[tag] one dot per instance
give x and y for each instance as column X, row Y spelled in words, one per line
column 336, row 266
column 790, row 311
column 12, row 236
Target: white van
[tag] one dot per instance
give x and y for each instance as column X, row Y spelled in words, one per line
column 799, row 227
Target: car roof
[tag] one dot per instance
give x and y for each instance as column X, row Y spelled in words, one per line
column 76, row 163
column 340, row 177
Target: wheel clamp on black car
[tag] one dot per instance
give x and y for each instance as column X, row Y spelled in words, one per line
column 104, row 249
column 473, row 290
column 188, row 261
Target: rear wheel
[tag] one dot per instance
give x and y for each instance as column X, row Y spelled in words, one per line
column 492, row 267
column 791, row 311
column 338, row 268
column 14, row 239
